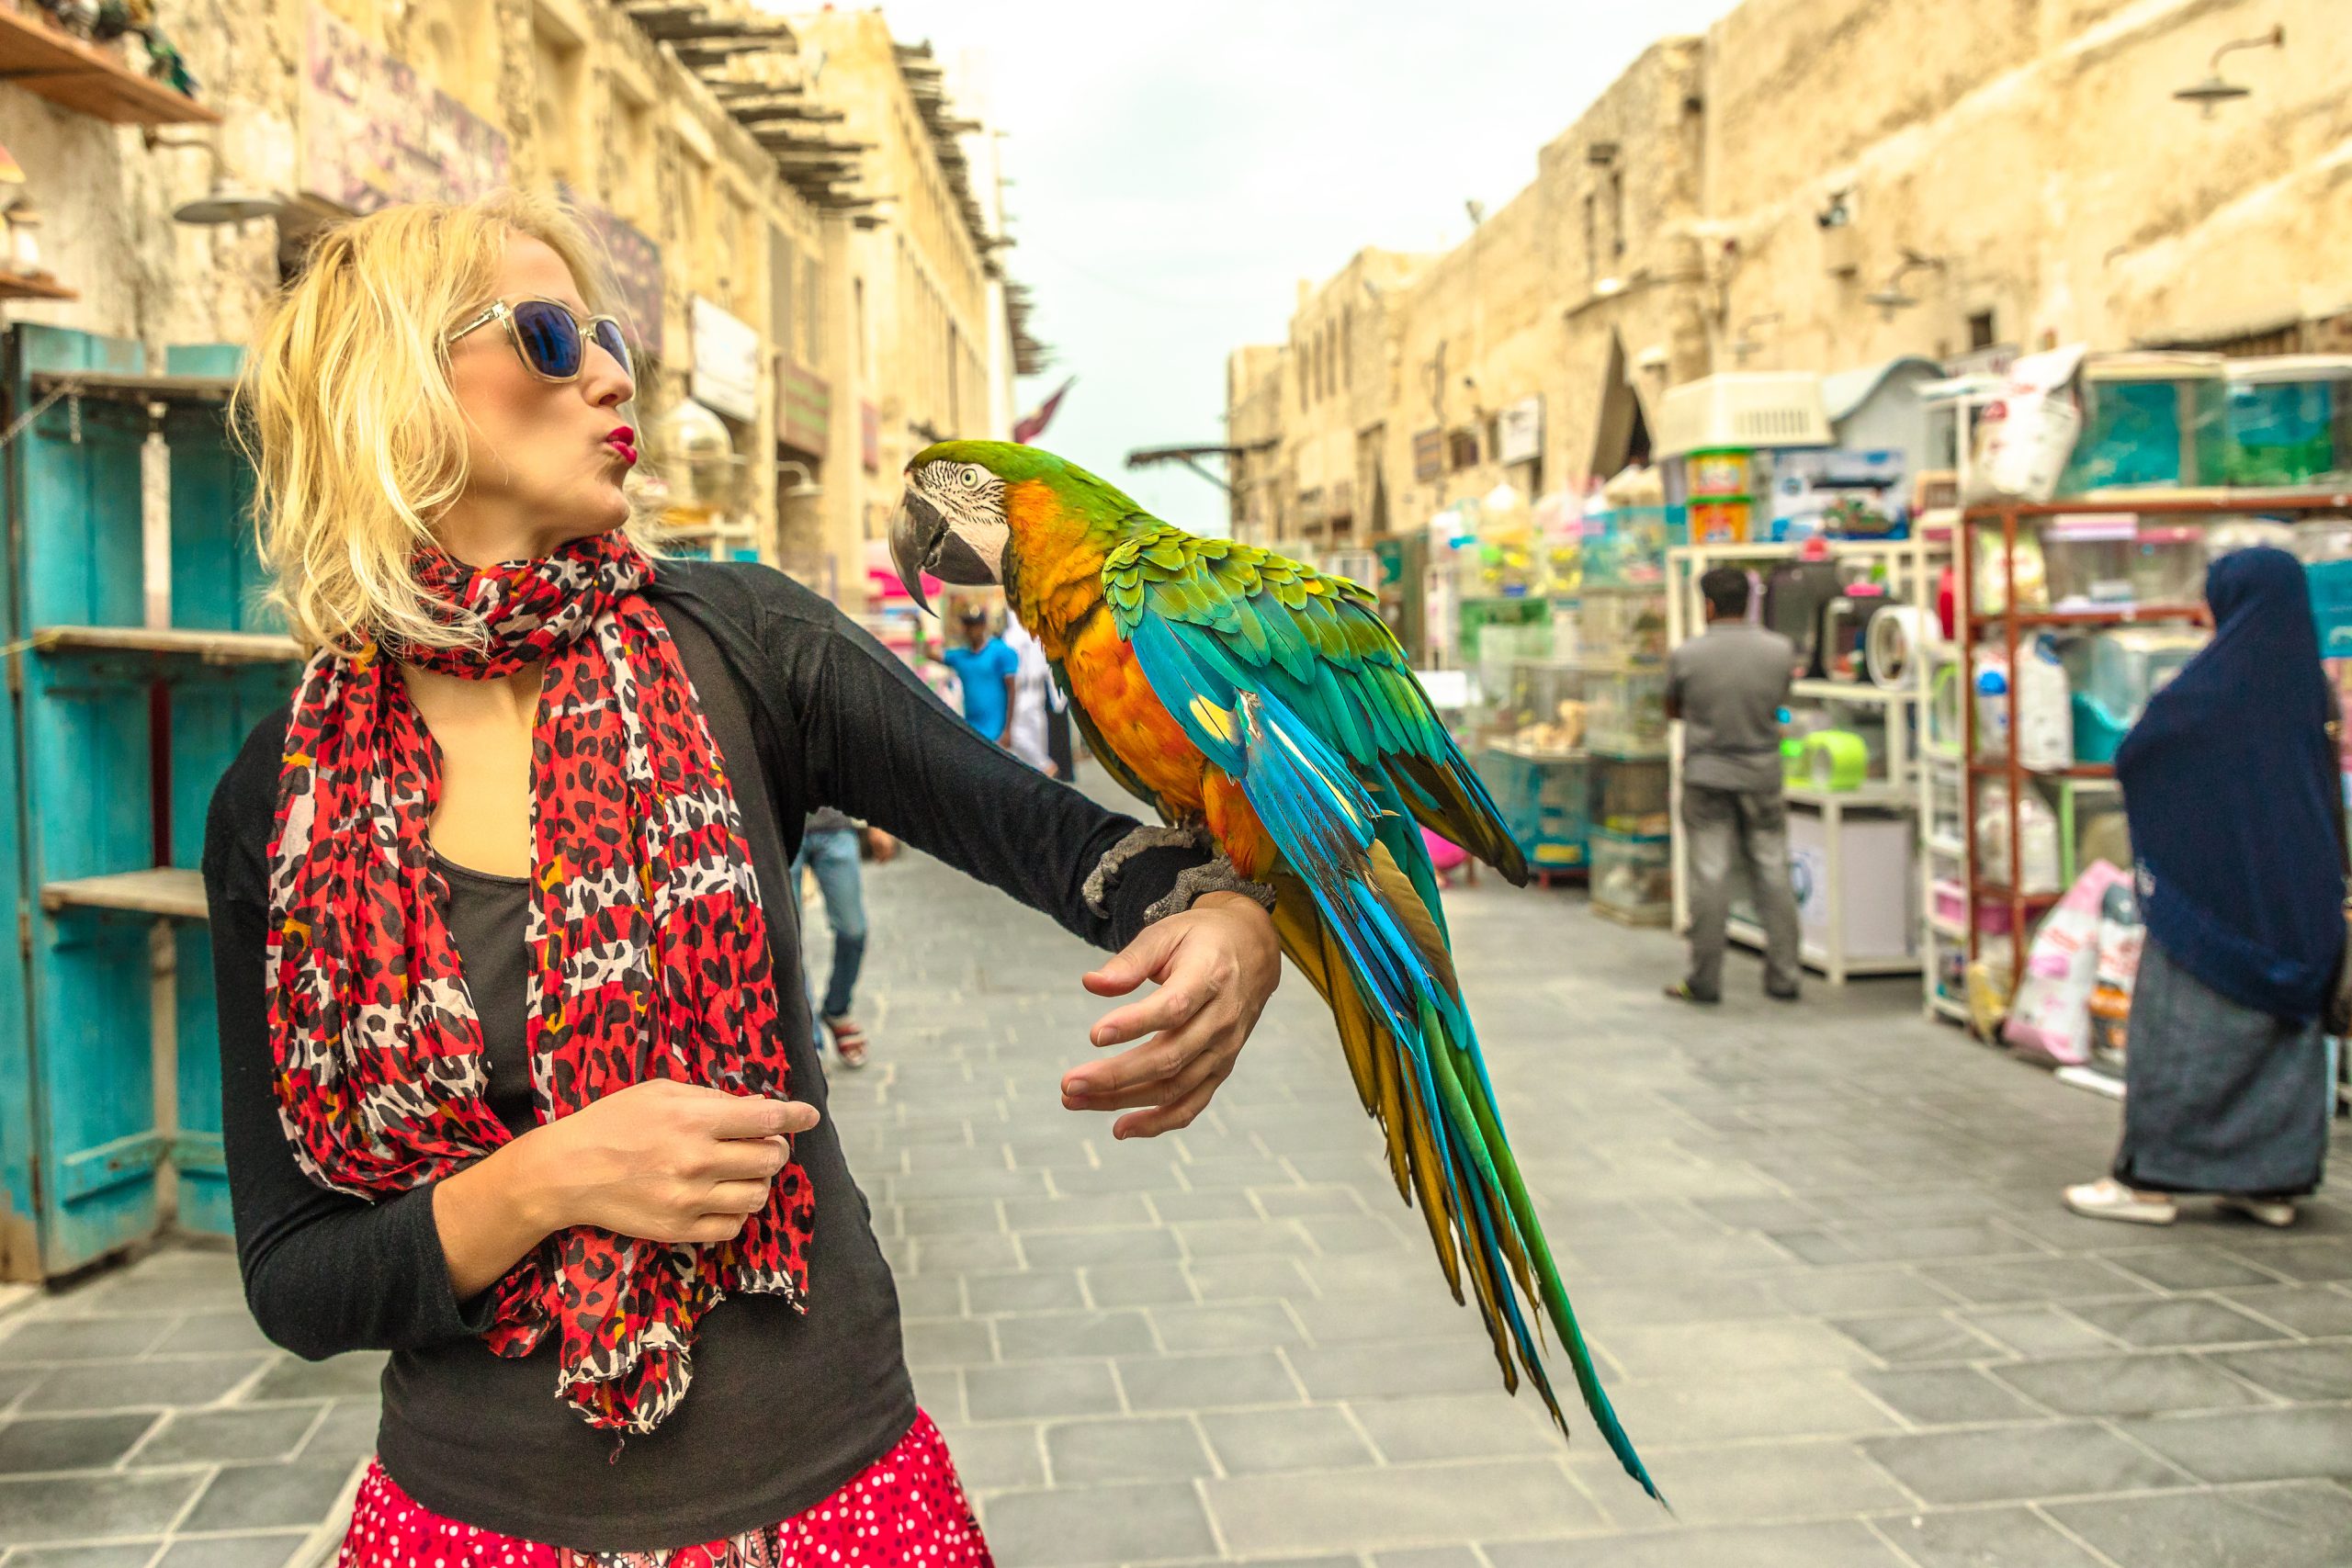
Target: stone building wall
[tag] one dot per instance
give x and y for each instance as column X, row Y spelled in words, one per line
column 2029, row 152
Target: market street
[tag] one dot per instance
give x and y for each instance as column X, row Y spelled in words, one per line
column 1818, row 1249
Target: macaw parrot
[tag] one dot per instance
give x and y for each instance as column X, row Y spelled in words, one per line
column 1268, row 707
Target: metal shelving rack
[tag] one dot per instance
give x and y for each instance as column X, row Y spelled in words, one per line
column 1914, row 562
column 2010, row 516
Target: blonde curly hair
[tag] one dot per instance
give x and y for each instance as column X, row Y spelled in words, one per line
column 345, row 409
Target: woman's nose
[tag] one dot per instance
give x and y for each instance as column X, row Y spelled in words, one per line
column 607, row 380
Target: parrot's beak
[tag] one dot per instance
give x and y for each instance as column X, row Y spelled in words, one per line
column 916, row 529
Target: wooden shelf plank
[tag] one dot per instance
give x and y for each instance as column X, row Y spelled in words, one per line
column 2123, row 614
column 87, row 79
column 16, row 286
column 166, row 891
column 2168, row 502
column 212, row 648
column 137, row 388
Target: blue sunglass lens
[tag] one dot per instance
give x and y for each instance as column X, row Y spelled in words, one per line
column 609, row 339
column 551, row 338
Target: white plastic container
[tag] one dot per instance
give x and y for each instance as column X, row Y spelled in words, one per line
column 2037, row 701
column 2037, row 825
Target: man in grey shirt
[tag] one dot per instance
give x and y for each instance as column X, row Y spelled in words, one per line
column 1727, row 686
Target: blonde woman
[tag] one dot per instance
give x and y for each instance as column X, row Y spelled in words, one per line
column 519, row 1081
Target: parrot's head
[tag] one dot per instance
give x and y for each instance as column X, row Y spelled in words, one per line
column 955, row 521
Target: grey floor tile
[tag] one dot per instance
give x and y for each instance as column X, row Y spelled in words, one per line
column 2190, row 1269
column 2038, row 1331
column 1996, row 1465
column 1040, row 1389
column 1466, row 1426
column 2321, row 1370
column 1945, row 1396
column 1747, row 1483
column 1039, row 1290
column 948, row 1342
column 1097, row 1525
column 1427, row 1557
column 348, row 1430
column 1730, row 1349
column 1139, row 1284
column 233, row 1551
column 2186, row 1320
column 991, row 1459
column 2035, row 1280
column 2316, row 1312
column 1130, row 1448
column 1394, row 1506
column 1086, row 1249
column 1837, row 1291
column 1222, row 1203
column 1917, row 1337
column 1983, row 1537
column 124, row 1555
column 78, row 1338
column 1261, row 1442
column 358, row 1375
column 1226, row 1325
column 123, row 1386
column 214, row 1333
column 2296, row 1257
column 2127, row 1385
column 1249, row 1278
column 69, row 1442
column 1227, row 1381
column 1395, row 1371
column 2291, row 1444
column 1074, row 1335
column 87, row 1507
column 1846, row 1543
column 1778, row 1405
column 296, row 1494
column 2303, row 1526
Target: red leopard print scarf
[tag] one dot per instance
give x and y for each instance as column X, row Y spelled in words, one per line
column 651, row 949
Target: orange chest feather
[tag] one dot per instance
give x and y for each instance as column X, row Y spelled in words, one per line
column 1105, row 678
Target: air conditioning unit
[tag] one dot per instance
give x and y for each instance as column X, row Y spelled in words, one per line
column 1742, row 411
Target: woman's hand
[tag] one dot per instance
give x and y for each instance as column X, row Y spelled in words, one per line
column 1216, row 964
column 661, row 1160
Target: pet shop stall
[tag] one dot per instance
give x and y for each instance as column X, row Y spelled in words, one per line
column 2097, row 488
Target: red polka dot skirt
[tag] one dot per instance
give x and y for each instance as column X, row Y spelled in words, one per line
column 906, row 1508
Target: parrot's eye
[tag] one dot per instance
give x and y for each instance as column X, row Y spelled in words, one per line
column 971, row 478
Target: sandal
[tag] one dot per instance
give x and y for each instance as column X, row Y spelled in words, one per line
column 849, row 1041
column 2108, row 1199
column 2276, row 1213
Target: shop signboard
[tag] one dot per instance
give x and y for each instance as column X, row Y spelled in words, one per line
column 1518, row 431
column 1428, row 454
column 804, row 409
column 635, row 262
column 726, row 361
column 374, row 135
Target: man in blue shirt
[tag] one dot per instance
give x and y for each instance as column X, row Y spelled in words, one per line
column 987, row 669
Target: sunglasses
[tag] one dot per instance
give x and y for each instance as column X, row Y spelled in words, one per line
column 552, row 341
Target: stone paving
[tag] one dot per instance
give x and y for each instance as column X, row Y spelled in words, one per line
column 1818, row 1249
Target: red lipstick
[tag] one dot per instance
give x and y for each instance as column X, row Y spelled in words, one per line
column 623, row 440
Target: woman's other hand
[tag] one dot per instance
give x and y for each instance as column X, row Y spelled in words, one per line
column 1216, row 966
column 661, row 1160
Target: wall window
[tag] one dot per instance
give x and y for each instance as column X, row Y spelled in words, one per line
column 783, row 267
column 1616, row 213
column 1462, row 449
column 1591, row 239
column 1979, row 330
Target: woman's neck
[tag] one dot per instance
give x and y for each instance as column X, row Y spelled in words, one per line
column 480, row 532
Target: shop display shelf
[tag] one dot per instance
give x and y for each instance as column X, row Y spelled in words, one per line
column 1996, row 770
column 211, row 647
column 1878, row 798
column 1948, row 1008
column 2118, row 616
column 1951, row 849
column 1852, row 692
column 18, row 286
column 168, row 891
column 1536, row 754
column 88, row 79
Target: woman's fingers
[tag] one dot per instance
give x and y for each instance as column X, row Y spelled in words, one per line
column 1177, row 1114
column 754, row 1160
column 1196, row 1069
column 735, row 1198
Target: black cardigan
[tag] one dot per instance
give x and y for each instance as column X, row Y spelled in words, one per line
column 807, row 711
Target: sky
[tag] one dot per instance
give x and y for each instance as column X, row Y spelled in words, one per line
column 1174, row 170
